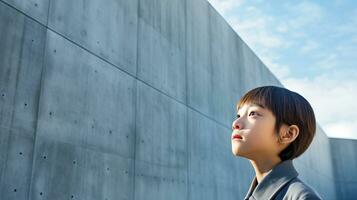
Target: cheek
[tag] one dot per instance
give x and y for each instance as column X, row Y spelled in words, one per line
column 262, row 131
column 260, row 126
column 267, row 124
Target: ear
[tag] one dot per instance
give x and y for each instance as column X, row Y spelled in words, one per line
column 289, row 134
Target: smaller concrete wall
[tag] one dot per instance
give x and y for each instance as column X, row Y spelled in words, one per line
column 344, row 156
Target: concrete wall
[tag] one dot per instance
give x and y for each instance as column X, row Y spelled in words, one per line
column 131, row 100
column 344, row 153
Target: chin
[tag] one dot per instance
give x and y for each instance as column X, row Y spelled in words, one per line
column 235, row 151
column 235, row 154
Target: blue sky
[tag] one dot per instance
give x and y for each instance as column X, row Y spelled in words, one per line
column 311, row 46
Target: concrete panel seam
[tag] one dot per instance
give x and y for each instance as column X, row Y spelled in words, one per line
column 83, row 146
column 111, row 64
column 26, row 15
column 136, row 101
column 48, row 12
column 186, row 100
column 38, row 110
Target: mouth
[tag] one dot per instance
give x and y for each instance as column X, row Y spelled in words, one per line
column 237, row 137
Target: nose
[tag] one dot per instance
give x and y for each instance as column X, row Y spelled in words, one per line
column 235, row 125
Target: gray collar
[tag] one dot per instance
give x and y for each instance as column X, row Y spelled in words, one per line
column 273, row 182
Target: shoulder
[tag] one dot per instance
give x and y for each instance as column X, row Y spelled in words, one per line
column 298, row 189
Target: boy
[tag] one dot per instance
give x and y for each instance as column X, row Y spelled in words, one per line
column 273, row 126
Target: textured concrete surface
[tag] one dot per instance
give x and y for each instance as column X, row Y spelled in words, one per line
column 344, row 166
column 134, row 100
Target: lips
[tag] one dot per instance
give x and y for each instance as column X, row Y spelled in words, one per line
column 237, row 136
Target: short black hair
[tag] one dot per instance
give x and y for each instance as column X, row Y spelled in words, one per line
column 289, row 108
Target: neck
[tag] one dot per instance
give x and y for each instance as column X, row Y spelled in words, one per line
column 263, row 166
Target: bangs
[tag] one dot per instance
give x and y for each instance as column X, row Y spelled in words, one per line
column 258, row 96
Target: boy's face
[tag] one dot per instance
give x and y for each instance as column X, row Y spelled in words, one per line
column 255, row 125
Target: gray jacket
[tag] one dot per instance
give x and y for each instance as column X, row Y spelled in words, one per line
column 281, row 183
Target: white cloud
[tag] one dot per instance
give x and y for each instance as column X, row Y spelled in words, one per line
column 333, row 101
column 223, row 6
column 305, row 13
column 309, row 46
column 256, row 30
column 282, row 28
column 271, row 60
column 349, row 26
column 328, row 62
column 256, row 33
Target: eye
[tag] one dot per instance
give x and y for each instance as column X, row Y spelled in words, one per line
column 238, row 115
column 253, row 112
